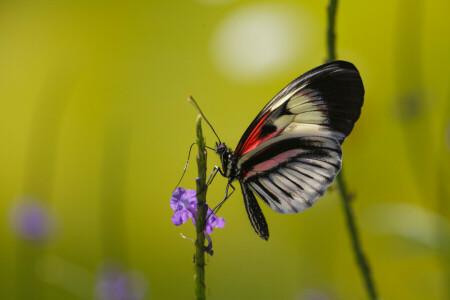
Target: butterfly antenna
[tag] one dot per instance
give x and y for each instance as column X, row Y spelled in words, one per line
column 185, row 167
column 192, row 101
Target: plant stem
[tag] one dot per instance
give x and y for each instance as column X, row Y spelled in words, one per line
column 331, row 37
column 356, row 243
column 201, row 214
column 351, row 224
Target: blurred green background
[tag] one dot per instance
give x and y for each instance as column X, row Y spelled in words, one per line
column 95, row 130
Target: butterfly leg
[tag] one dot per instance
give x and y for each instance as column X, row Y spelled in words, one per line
column 210, row 179
column 216, row 209
column 226, row 192
column 218, row 206
column 213, row 174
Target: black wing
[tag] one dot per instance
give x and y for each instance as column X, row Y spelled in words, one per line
column 254, row 212
column 325, row 101
column 292, row 152
column 290, row 175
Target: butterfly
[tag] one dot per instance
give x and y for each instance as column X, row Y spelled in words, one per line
column 291, row 152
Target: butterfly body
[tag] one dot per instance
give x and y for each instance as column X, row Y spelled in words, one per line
column 291, row 152
column 229, row 169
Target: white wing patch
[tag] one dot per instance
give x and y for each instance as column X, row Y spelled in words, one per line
column 312, row 130
column 275, row 103
column 308, row 110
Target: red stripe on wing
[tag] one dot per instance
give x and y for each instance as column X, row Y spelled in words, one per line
column 255, row 138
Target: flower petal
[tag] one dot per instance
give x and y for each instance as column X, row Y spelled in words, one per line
column 220, row 223
column 189, row 199
column 208, row 249
column 176, row 198
column 213, row 221
column 180, row 217
column 208, row 228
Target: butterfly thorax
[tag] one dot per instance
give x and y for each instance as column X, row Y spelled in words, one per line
column 228, row 163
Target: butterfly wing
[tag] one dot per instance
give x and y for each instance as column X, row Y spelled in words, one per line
column 291, row 152
column 290, row 174
column 325, row 101
column 254, row 212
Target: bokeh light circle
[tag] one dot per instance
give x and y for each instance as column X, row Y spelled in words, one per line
column 258, row 40
column 214, row 2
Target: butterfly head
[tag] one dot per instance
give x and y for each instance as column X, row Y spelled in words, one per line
column 221, row 148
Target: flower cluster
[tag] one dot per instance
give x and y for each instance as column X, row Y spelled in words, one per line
column 184, row 203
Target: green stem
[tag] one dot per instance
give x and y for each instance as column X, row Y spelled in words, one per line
column 331, row 36
column 351, row 224
column 201, row 215
column 356, row 243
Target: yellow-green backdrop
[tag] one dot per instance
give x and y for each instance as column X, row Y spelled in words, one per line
column 95, row 130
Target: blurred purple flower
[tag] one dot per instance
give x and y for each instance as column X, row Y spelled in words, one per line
column 184, row 203
column 31, row 220
column 313, row 294
column 115, row 284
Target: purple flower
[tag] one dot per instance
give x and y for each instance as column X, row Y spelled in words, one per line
column 115, row 284
column 184, row 203
column 213, row 221
column 31, row 220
